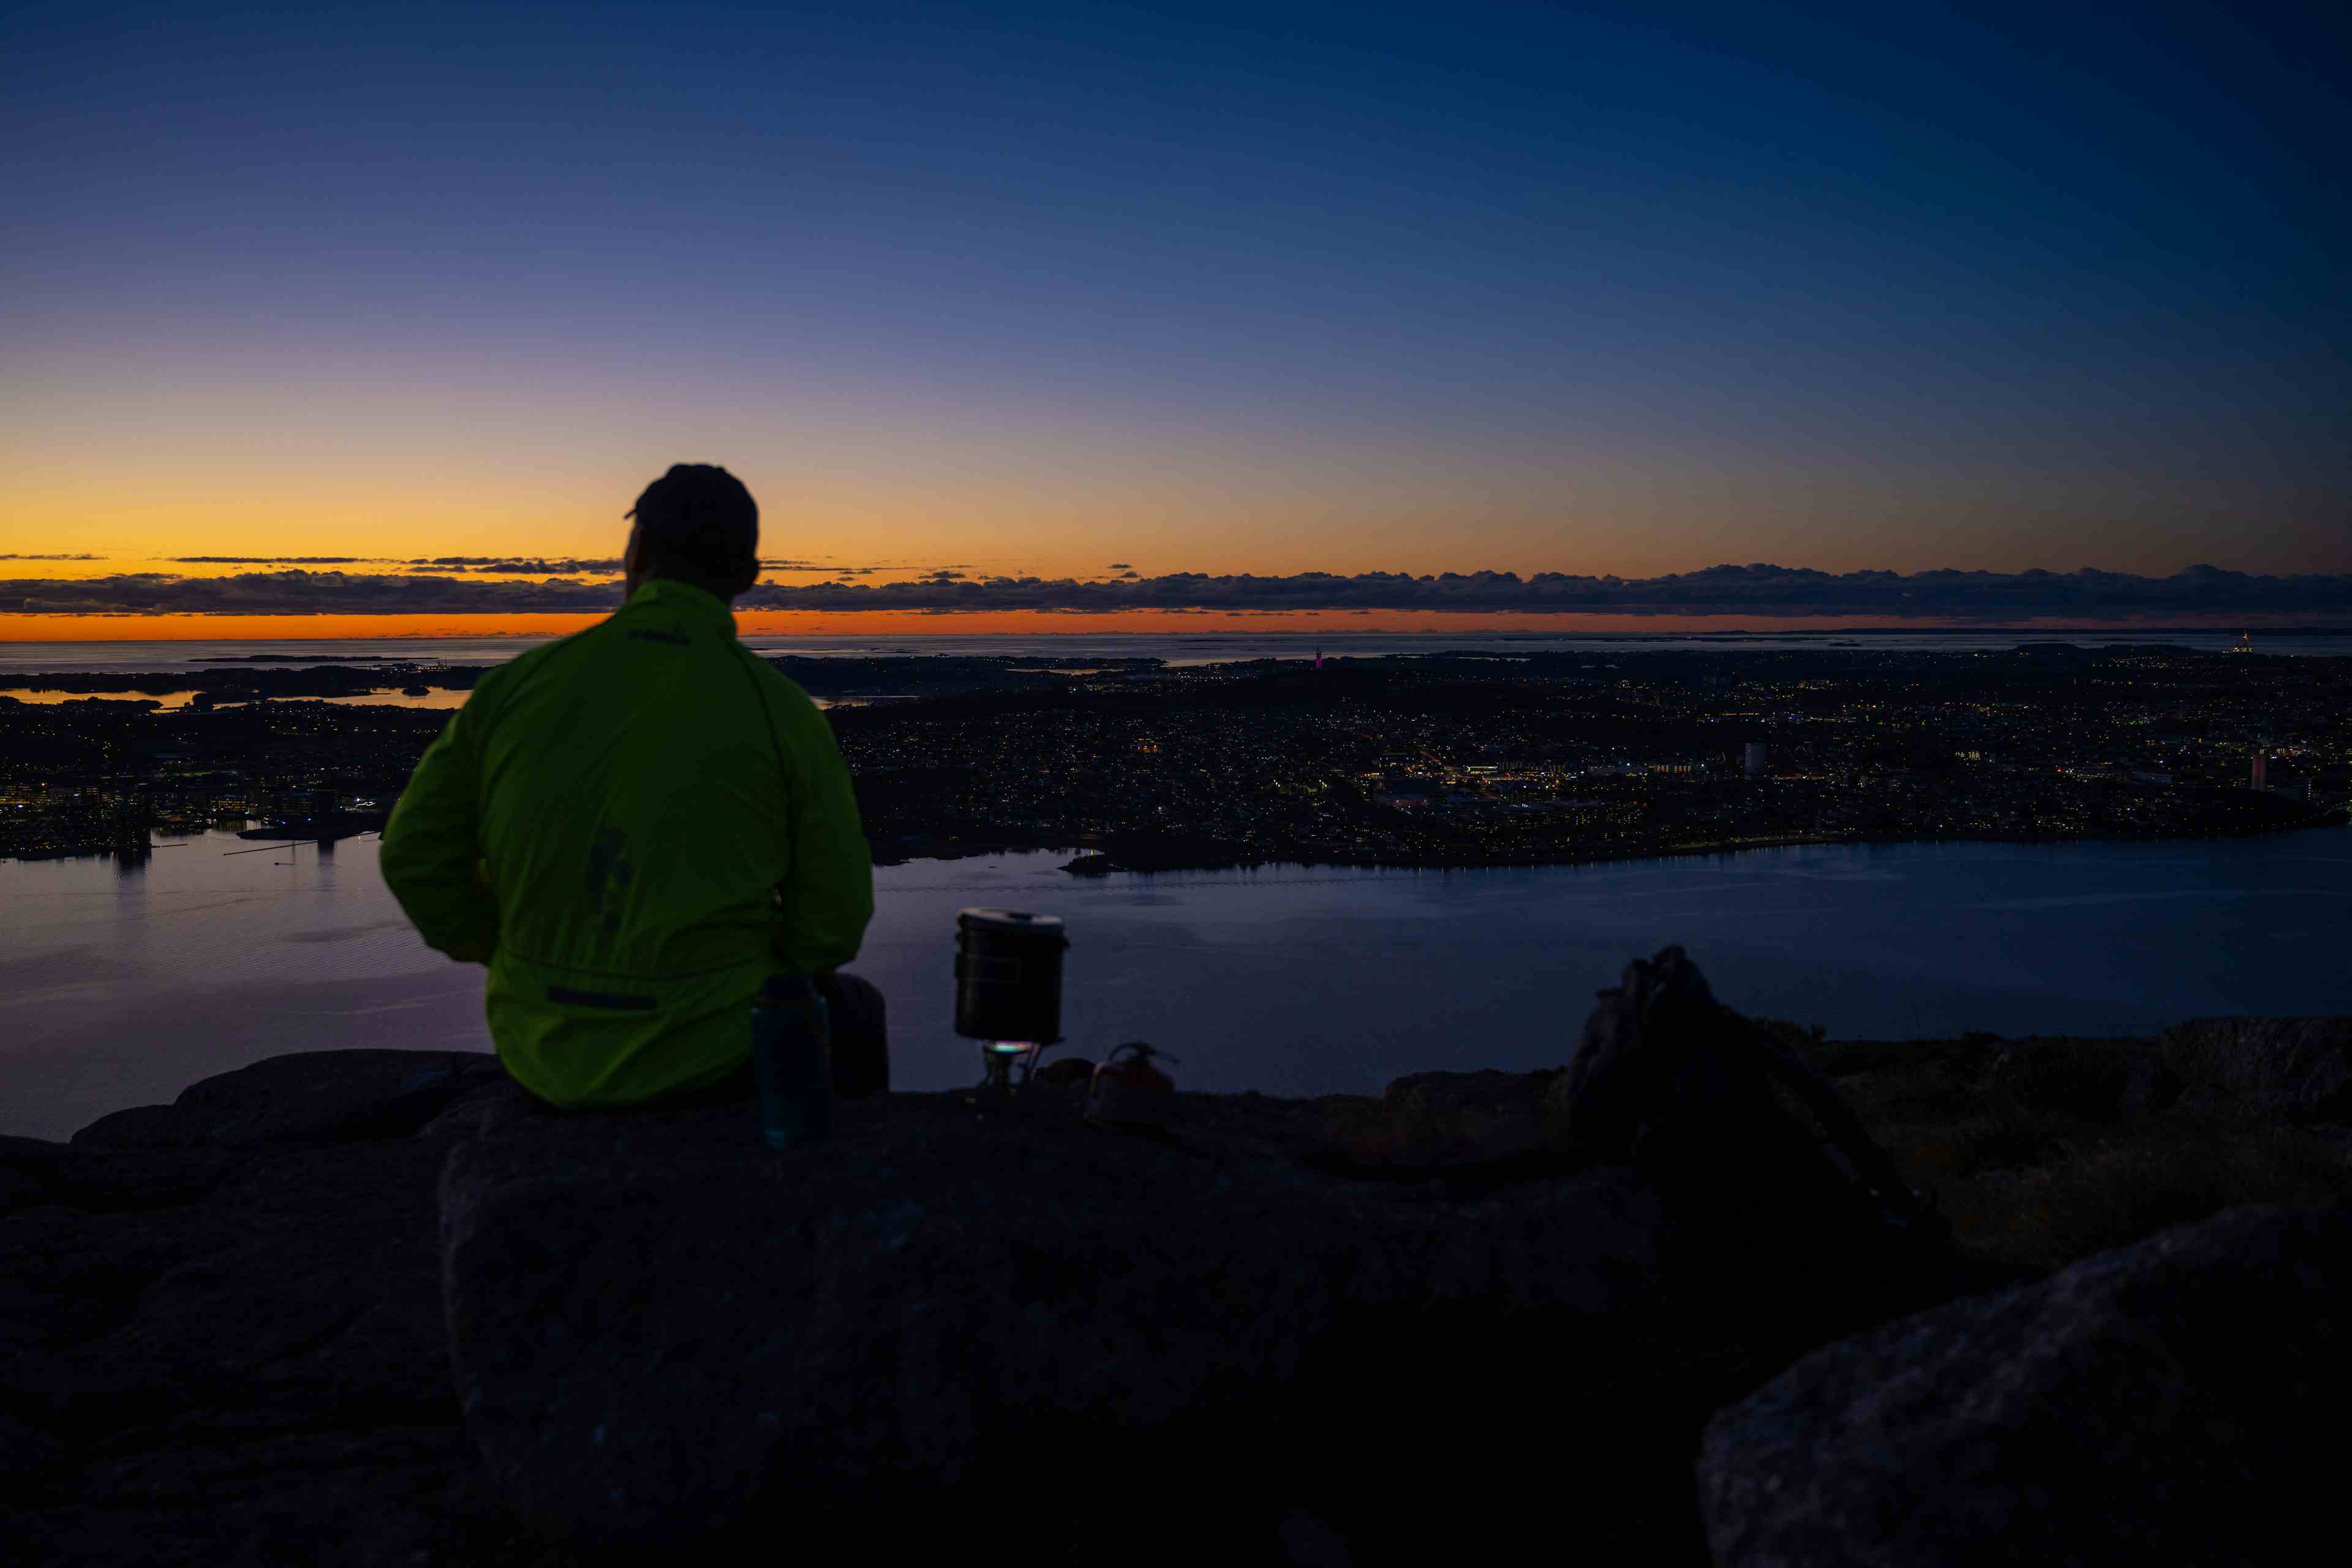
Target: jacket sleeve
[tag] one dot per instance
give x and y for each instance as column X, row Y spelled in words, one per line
column 828, row 895
column 432, row 853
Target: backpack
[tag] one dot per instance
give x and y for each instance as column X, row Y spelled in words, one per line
column 1690, row 1094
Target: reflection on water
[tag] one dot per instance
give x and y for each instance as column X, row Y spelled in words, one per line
column 166, row 698
column 171, row 699
column 435, row 697
column 126, row 983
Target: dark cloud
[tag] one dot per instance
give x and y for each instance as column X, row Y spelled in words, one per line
column 297, row 592
column 1756, row 590
column 1120, row 566
column 564, row 568
column 1762, row 590
column 525, row 565
column 13, row 557
column 272, row 560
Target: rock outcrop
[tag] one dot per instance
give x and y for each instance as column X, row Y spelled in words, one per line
column 220, row 1334
column 302, row 1101
column 657, row 1330
column 2173, row 1401
column 228, row 1332
column 1469, row 1128
column 2098, row 1081
column 2297, row 1068
column 379, row 1307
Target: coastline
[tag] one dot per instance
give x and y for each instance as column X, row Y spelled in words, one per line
column 1091, row 862
column 1094, row 863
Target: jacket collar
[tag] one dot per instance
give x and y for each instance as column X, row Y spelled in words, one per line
column 682, row 599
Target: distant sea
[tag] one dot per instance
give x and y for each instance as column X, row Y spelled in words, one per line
column 18, row 658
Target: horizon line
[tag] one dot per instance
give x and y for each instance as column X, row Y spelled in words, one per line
column 23, row 630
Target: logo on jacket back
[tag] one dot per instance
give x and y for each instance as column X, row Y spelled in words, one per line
column 609, row 876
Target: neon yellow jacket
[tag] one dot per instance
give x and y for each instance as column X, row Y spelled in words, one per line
column 633, row 828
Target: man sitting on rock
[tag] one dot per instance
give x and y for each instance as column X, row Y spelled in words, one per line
column 635, row 825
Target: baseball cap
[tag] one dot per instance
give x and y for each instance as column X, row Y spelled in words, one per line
column 700, row 515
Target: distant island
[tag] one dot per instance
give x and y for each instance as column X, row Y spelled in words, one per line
column 1441, row 759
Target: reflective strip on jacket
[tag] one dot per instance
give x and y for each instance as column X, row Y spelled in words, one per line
column 633, row 828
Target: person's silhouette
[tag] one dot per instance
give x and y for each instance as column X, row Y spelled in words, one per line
column 635, row 825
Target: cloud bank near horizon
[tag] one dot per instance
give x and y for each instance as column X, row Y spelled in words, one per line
column 492, row 565
column 1760, row 589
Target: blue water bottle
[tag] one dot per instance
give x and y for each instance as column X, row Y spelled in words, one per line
column 792, row 1062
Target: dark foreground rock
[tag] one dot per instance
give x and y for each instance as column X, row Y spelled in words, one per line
column 304, row 1099
column 376, row 1307
column 2180, row 1400
column 226, row 1333
column 220, row 1336
column 661, row 1335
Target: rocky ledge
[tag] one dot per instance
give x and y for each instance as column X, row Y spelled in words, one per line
column 374, row 1307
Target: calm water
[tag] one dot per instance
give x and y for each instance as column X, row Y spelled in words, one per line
column 435, row 699
column 125, row 986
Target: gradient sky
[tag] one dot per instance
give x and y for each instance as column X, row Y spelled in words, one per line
column 1254, row 289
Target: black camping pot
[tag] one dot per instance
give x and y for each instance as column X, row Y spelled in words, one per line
column 1009, row 975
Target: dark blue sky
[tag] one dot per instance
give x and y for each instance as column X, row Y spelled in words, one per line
column 1263, row 287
